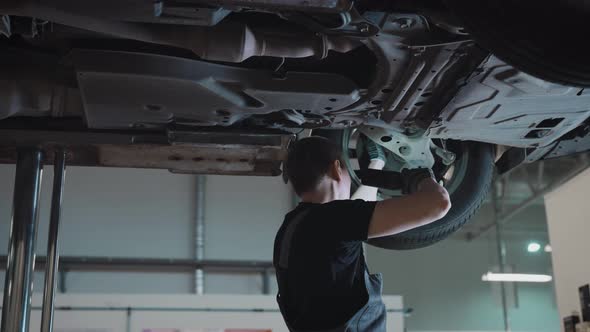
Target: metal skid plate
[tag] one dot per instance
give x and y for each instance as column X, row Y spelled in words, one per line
column 501, row 105
column 122, row 90
column 570, row 146
column 415, row 70
column 576, row 141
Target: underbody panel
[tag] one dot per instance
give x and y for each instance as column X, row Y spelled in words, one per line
column 122, row 90
column 501, row 105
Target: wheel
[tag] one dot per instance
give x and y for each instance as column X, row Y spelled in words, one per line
column 467, row 180
column 541, row 37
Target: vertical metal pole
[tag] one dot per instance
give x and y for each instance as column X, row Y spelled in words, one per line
column 62, row 281
column 128, row 320
column 52, row 241
column 200, row 232
column 501, row 256
column 266, row 275
column 18, row 285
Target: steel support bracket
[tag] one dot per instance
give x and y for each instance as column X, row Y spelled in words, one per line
column 411, row 152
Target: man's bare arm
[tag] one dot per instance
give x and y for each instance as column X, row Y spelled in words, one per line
column 429, row 203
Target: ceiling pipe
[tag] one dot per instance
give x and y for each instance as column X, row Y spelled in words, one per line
column 148, row 265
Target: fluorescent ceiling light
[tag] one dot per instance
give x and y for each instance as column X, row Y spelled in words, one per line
column 533, row 247
column 516, row 277
column 548, row 248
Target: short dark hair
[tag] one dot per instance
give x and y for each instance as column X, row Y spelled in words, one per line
column 309, row 159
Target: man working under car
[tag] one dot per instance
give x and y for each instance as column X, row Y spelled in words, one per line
column 323, row 281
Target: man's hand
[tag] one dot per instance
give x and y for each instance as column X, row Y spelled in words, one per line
column 412, row 179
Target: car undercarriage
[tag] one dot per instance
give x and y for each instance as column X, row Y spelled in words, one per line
column 223, row 86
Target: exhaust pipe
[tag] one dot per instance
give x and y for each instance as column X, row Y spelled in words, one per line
column 227, row 41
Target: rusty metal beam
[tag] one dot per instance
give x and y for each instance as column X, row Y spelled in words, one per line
column 197, row 152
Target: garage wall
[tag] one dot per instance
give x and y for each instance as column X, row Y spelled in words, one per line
column 105, row 208
column 150, row 213
column 242, row 217
column 568, row 214
column 443, row 285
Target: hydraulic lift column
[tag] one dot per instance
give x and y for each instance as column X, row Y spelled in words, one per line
column 59, row 168
column 18, row 285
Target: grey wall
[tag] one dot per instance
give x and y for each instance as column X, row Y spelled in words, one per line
column 242, row 216
column 149, row 213
column 568, row 212
column 443, row 285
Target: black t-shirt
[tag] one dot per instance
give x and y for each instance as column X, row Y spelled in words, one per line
column 324, row 284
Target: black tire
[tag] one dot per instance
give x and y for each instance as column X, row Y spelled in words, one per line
column 466, row 198
column 541, row 37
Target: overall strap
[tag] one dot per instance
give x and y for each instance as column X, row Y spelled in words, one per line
column 288, row 239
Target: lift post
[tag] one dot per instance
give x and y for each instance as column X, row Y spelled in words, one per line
column 52, row 240
column 20, row 263
column 18, row 285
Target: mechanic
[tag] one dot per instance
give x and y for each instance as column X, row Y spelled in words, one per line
column 324, row 284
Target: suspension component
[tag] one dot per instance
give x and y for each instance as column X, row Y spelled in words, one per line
column 410, row 152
